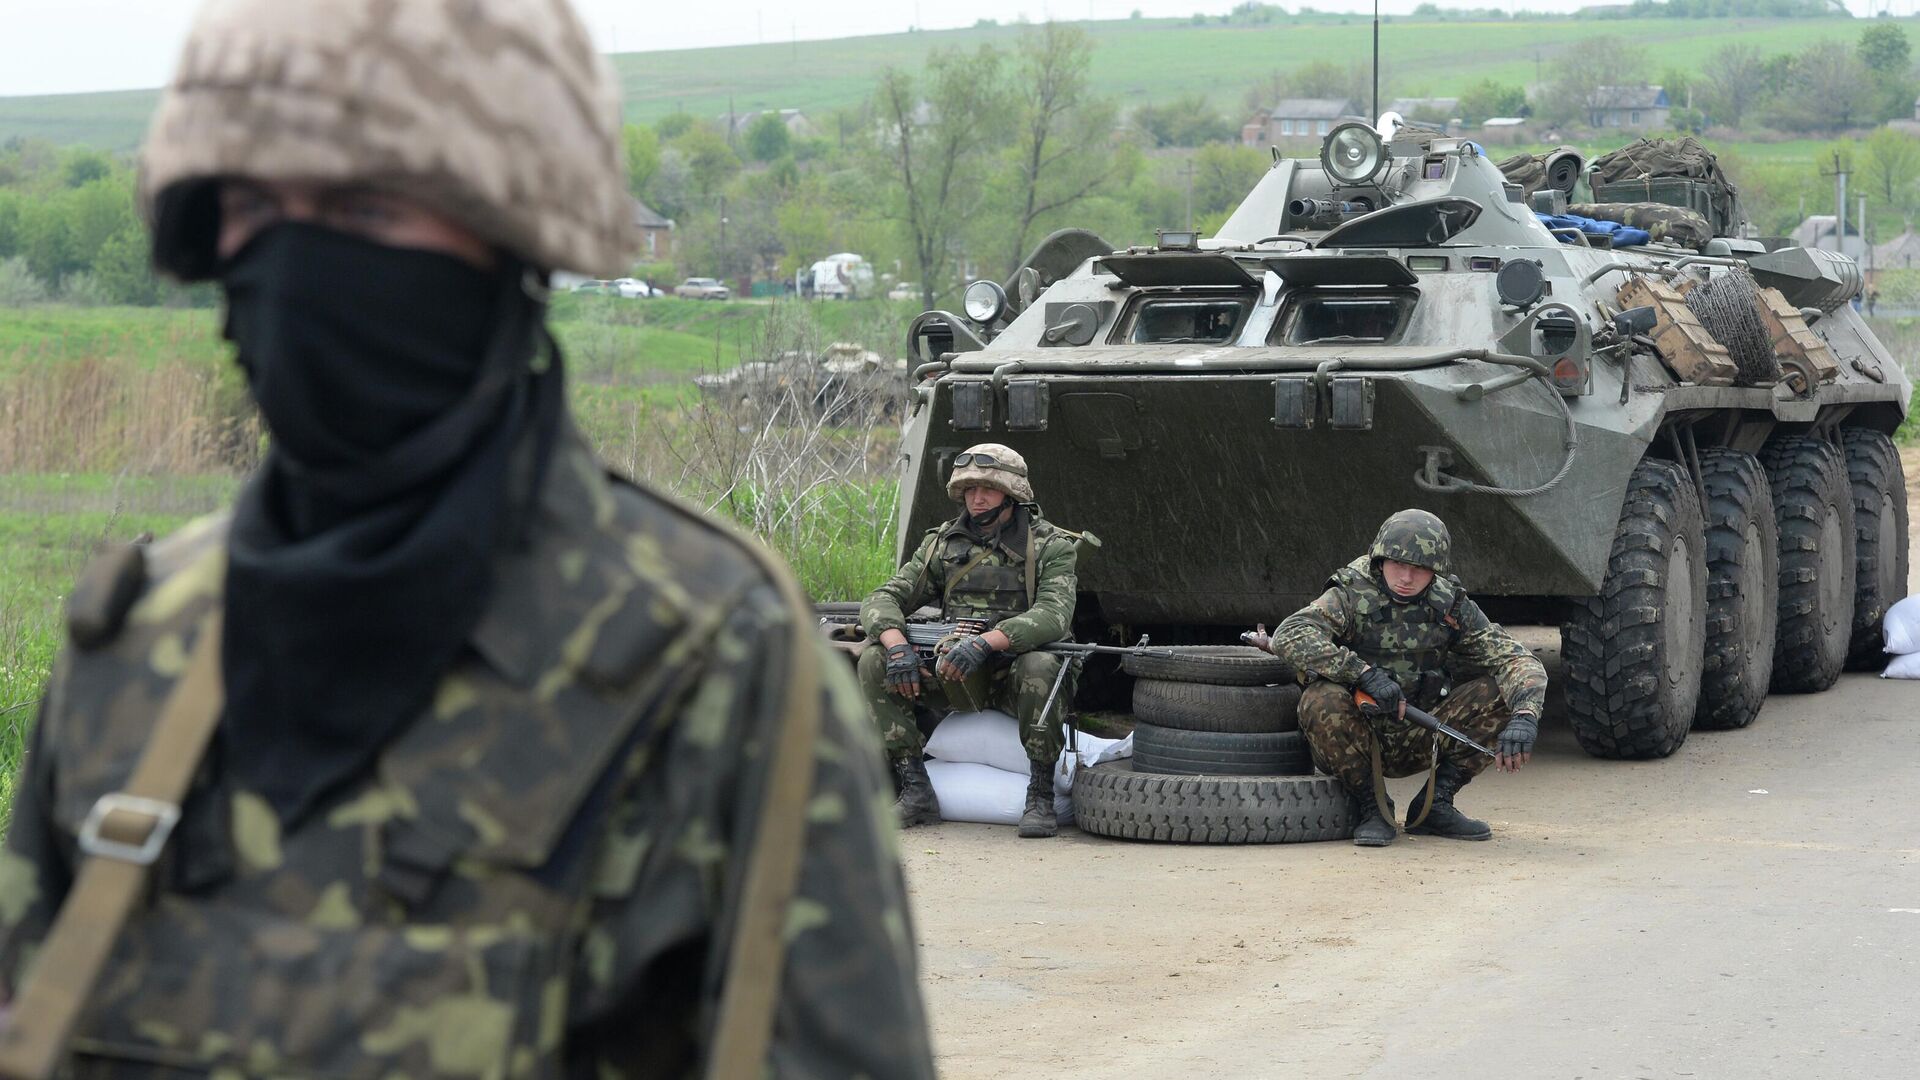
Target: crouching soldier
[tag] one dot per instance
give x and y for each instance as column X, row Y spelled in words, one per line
column 1396, row 625
column 1007, row 576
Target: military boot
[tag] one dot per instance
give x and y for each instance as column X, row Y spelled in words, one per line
column 1037, row 820
column 1372, row 830
column 917, row 804
column 1443, row 819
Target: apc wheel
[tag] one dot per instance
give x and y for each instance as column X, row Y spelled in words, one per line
column 1633, row 652
column 1220, row 665
column 1200, row 707
column 1813, row 508
column 1158, row 749
column 1880, row 536
column 1742, row 590
column 1113, row 800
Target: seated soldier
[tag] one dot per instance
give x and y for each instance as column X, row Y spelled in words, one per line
column 1008, row 575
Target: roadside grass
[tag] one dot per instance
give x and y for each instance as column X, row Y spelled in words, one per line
column 41, row 552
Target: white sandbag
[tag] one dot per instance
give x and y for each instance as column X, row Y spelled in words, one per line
column 1903, row 627
column 972, row 792
column 1903, row 667
column 988, row 737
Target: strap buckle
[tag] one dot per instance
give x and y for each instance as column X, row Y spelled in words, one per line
column 160, row 817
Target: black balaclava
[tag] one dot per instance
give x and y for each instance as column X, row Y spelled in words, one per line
column 402, row 396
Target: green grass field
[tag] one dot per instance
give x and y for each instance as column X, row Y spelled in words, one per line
column 1137, row 61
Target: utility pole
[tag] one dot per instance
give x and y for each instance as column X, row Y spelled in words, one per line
column 1866, row 244
column 1839, row 206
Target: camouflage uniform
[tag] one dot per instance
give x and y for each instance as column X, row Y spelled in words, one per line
column 994, row 590
column 536, row 876
column 542, row 858
column 1445, row 654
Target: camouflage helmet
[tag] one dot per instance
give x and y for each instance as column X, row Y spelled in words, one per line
column 498, row 115
column 1416, row 538
column 1008, row 472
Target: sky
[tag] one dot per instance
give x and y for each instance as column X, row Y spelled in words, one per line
column 71, row 46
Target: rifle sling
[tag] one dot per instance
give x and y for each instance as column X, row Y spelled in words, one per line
column 1380, row 784
column 751, row 990
column 120, row 854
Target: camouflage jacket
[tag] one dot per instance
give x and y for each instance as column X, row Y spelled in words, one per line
column 534, row 878
column 1428, row 643
column 1024, row 583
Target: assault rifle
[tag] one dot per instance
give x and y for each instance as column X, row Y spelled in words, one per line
column 1429, row 721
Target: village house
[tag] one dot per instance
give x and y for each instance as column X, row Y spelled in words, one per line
column 1298, row 118
column 1630, row 108
column 796, row 121
column 656, row 233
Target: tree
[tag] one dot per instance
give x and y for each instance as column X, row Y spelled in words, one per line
column 1190, row 120
column 1884, row 50
column 767, row 137
column 1827, row 89
column 123, row 268
column 1063, row 142
column 1223, row 174
column 1734, row 79
column 1889, row 163
column 934, row 152
column 1487, row 98
column 642, row 149
column 1573, row 88
column 710, row 161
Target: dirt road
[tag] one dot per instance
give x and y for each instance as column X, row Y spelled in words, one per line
column 1749, row 907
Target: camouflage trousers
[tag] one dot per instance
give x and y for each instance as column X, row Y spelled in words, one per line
column 1019, row 688
column 1341, row 740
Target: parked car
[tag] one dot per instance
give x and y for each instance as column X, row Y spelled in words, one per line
column 597, row 288
column 634, row 288
column 702, row 288
column 906, row 290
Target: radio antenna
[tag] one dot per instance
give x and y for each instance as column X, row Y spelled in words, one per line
column 1376, row 61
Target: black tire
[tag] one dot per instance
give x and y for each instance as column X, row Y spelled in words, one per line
column 1813, row 506
column 1199, row 707
column 1159, row 749
column 1743, row 584
column 1113, row 800
column 1880, row 539
column 1220, row 665
column 1633, row 652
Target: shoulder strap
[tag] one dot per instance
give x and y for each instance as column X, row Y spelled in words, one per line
column 752, row 987
column 122, row 837
column 1030, row 570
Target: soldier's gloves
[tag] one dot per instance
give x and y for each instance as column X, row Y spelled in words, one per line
column 966, row 657
column 903, row 669
column 1384, row 691
column 1517, row 737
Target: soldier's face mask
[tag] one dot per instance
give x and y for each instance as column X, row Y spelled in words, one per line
column 350, row 345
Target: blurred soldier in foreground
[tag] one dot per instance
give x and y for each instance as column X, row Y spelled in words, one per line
column 444, row 753
column 1396, row 626
column 1007, row 576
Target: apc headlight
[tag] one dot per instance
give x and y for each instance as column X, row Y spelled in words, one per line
column 984, row 302
column 1353, row 153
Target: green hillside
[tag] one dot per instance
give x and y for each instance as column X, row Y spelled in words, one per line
column 1137, row 61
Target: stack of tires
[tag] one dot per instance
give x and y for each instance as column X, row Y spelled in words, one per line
column 1218, row 757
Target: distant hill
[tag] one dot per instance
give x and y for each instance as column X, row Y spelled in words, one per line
column 1137, row 61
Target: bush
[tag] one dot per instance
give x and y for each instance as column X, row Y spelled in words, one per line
column 18, row 286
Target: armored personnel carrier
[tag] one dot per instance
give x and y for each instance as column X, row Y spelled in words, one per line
column 1677, row 453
